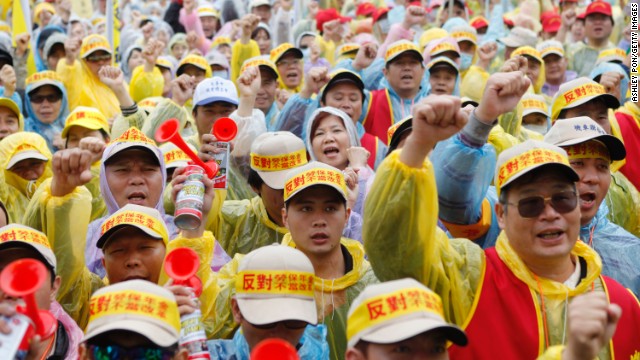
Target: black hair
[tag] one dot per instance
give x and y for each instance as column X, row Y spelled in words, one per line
column 363, row 347
column 106, row 339
column 254, row 179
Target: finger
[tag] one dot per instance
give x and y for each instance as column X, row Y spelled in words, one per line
column 185, row 310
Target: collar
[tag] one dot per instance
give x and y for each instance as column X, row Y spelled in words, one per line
column 593, row 266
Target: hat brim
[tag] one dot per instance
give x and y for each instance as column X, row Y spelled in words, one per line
column 402, row 330
column 267, row 67
column 8, row 103
column 133, row 146
column 411, row 51
column 443, row 65
column 213, row 99
column 114, row 230
column 509, row 41
column 44, row 255
column 91, row 125
column 261, row 310
column 97, row 49
column 566, row 169
column 274, row 179
column 295, row 51
column 159, row 335
column 611, row 101
column 320, row 183
column 180, row 69
column 616, row 148
column 533, row 111
column 29, row 154
column 39, row 84
column 397, row 135
column 552, row 52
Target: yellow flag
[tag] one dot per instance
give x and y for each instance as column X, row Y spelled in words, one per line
column 21, row 23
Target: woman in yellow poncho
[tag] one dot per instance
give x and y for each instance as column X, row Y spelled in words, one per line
column 81, row 79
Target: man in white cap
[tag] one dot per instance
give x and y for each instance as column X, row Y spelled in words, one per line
column 394, row 318
column 591, row 152
column 316, row 213
column 134, row 319
column 539, row 281
column 21, row 242
column 518, row 36
column 274, row 298
column 245, row 225
column 555, row 66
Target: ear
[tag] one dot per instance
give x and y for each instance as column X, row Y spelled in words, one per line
column 82, row 351
column 54, row 289
column 501, row 214
column 384, row 71
column 347, row 214
column 235, row 309
column 285, row 217
column 354, row 354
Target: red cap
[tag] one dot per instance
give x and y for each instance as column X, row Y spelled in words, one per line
column 598, row 7
column 365, row 9
column 571, row 1
column 581, row 16
column 552, row 24
column 507, row 21
column 479, row 22
column 327, row 15
column 379, row 12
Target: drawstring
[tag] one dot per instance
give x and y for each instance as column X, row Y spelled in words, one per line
column 564, row 326
column 402, row 107
column 593, row 229
column 333, row 304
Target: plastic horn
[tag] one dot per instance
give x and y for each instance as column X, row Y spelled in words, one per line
column 225, row 129
column 181, row 265
column 169, row 131
column 272, row 349
column 22, row 278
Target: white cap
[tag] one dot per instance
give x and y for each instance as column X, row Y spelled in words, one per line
column 519, row 36
column 276, row 283
column 148, row 220
column 256, row 3
column 577, row 130
column 422, row 311
column 23, row 152
column 138, row 306
column 273, row 154
column 15, row 235
column 215, row 89
column 312, row 174
column 549, row 47
column 532, row 103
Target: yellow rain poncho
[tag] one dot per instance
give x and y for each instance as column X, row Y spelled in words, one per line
column 402, row 240
column 239, row 54
column 65, row 221
column 98, row 207
column 333, row 297
column 623, row 201
column 244, row 225
column 84, row 88
column 145, row 84
column 15, row 191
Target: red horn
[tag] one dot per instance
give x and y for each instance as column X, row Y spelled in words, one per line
column 274, row 349
column 181, row 264
column 170, row 131
column 225, row 129
column 22, row 278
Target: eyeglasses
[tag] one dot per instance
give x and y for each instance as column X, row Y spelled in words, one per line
column 98, row 58
column 287, row 63
column 562, row 202
column 39, row 99
column 289, row 324
column 114, row 352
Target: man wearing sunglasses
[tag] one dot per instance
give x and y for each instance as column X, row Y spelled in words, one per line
column 591, row 151
column 133, row 320
column 538, row 282
column 273, row 299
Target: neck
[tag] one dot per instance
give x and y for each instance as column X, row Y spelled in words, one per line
column 328, row 266
column 556, row 82
column 407, row 94
column 558, row 270
column 597, row 43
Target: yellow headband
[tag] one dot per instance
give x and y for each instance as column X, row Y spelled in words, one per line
column 400, row 48
column 136, row 219
column 134, row 135
column 24, row 235
column 576, row 94
column 130, row 303
column 315, row 176
column 464, row 35
column 175, row 155
column 534, row 104
column 43, row 75
column 387, row 307
column 274, row 282
column 588, row 150
column 525, row 161
column 278, row 162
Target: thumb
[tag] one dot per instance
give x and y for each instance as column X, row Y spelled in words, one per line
column 614, row 313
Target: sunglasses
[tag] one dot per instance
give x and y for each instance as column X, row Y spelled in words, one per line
column 98, row 58
column 562, row 202
column 289, row 324
column 39, row 99
column 114, row 352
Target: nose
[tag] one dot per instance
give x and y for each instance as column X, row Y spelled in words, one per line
column 319, row 222
column 589, row 176
column 549, row 213
column 133, row 261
